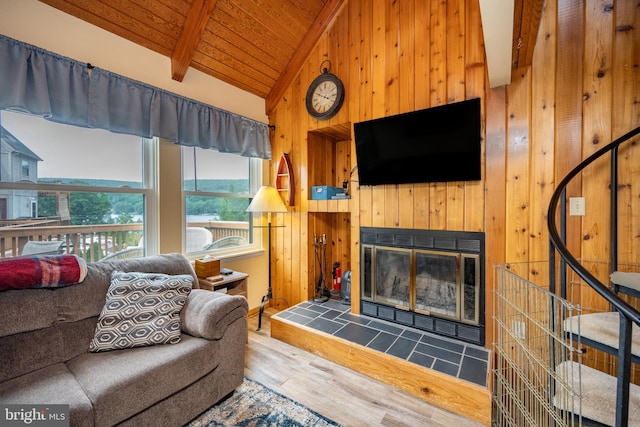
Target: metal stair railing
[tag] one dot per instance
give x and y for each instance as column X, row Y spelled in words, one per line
column 628, row 314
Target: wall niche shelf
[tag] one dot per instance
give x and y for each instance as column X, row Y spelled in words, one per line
column 329, row 163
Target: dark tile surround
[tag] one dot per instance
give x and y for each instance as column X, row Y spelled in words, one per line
column 459, row 359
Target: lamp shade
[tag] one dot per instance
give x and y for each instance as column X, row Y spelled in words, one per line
column 267, row 199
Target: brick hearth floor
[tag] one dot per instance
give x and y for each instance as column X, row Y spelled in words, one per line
column 456, row 358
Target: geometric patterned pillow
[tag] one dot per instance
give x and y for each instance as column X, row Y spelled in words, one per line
column 141, row 309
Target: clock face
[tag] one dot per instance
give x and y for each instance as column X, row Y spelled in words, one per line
column 325, row 96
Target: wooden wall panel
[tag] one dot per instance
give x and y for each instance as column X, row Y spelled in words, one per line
column 378, row 90
column 542, row 134
column 625, row 114
column 393, row 56
column 596, row 130
column 517, row 202
column 406, row 50
column 474, row 88
column 422, row 98
column 455, row 58
column 438, row 91
column 569, row 93
column 495, row 172
column 391, row 61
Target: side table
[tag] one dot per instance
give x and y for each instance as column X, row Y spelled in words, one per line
column 234, row 284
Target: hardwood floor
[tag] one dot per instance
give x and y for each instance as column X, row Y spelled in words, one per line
column 345, row 396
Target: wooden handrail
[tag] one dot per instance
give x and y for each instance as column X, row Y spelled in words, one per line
column 92, row 242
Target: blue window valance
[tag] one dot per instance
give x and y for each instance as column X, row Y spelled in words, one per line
column 66, row 91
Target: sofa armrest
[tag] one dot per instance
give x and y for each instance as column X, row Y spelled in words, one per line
column 207, row 314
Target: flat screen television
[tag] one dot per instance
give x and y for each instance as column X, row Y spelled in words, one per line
column 438, row 144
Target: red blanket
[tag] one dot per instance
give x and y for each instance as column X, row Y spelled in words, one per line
column 41, row 271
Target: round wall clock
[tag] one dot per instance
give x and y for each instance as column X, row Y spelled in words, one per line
column 325, row 95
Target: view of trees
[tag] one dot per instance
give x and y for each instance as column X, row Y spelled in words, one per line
column 46, row 206
column 104, row 208
column 89, row 208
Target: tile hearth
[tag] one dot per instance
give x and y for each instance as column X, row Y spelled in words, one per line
column 462, row 360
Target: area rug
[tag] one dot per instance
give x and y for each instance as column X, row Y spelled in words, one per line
column 255, row 405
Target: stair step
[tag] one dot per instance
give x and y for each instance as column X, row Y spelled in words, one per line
column 602, row 328
column 598, row 394
column 627, row 283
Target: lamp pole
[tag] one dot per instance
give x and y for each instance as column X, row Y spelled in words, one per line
column 267, row 200
column 269, row 294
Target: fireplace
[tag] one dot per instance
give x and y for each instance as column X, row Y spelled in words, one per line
column 432, row 280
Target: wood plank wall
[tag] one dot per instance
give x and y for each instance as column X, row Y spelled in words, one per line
column 394, row 56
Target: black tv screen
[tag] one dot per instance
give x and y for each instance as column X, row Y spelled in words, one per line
column 438, row 144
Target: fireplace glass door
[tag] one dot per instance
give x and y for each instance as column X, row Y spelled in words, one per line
column 470, row 273
column 437, row 284
column 393, row 277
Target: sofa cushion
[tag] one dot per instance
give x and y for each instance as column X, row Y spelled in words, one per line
column 30, row 351
column 141, row 309
column 132, row 380
column 27, row 310
column 51, row 385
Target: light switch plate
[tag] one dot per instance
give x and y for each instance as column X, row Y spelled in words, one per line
column 576, row 206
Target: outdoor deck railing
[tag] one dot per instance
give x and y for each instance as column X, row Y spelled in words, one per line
column 94, row 242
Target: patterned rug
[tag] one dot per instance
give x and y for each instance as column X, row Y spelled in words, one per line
column 255, row 405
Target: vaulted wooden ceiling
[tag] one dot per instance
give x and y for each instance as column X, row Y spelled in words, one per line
column 255, row 45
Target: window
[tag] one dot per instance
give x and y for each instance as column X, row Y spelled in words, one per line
column 217, row 189
column 25, row 168
column 85, row 189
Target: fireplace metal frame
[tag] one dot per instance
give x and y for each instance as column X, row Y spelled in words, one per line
column 459, row 244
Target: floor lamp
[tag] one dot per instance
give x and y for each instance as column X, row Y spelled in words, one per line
column 267, row 200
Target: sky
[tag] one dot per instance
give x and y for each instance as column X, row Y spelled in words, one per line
column 75, row 152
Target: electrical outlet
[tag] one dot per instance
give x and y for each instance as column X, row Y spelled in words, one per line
column 519, row 329
column 576, row 206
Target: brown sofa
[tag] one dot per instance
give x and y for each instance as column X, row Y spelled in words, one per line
column 45, row 358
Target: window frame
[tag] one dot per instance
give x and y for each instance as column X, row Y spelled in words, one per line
column 25, row 169
column 256, row 167
column 148, row 190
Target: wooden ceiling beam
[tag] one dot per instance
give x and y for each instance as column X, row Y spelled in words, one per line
column 320, row 24
column 527, row 17
column 197, row 18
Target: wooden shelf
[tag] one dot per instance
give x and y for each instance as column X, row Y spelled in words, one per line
column 285, row 181
column 335, row 206
column 234, row 284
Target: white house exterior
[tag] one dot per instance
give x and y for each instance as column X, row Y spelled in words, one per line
column 17, row 164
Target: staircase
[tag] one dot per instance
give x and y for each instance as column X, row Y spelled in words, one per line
column 557, row 361
column 605, row 399
column 614, row 332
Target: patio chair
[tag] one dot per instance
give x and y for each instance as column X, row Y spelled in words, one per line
column 36, row 247
column 197, row 238
column 130, row 252
column 226, row 242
